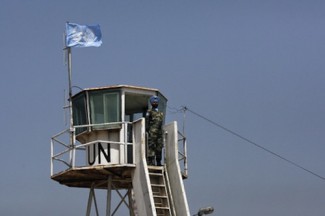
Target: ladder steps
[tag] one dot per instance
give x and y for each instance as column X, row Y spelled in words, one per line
column 156, row 174
column 157, row 205
column 159, row 191
column 157, row 185
column 162, row 208
column 160, row 196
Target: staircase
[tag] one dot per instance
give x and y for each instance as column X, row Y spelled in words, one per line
column 159, row 190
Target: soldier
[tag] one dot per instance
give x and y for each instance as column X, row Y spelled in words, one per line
column 154, row 121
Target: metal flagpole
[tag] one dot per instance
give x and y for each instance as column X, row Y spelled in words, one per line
column 68, row 50
column 70, row 86
column 72, row 153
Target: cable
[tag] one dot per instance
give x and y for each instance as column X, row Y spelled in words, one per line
column 174, row 110
column 254, row 143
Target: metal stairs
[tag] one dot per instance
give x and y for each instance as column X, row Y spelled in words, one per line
column 159, row 186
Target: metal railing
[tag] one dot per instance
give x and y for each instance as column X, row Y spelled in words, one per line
column 65, row 148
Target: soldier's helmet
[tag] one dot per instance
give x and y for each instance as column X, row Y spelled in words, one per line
column 154, row 99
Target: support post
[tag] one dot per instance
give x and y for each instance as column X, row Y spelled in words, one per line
column 89, row 202
column 109, row 195
column 131, row 202
column 90, row 198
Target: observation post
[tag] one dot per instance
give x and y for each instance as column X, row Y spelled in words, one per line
column 105, row 148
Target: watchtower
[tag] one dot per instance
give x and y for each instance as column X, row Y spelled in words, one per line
column 105, row 148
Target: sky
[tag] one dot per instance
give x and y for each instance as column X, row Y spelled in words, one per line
column 256, row 67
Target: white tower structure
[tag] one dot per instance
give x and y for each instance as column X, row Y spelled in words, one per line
column 105, row 149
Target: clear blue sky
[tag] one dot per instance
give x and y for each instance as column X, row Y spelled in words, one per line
column 255, row 67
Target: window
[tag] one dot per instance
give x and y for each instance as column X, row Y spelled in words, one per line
column 105, row 108
column 79, row 112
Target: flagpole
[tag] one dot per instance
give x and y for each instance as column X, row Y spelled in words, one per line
column 70, row 86
column 68, row 51
column 72, row 153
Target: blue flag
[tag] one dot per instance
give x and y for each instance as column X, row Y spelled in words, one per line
column 83, row 35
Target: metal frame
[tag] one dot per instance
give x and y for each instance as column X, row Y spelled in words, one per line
column 183, row 154
column 109, row 210
column 71, row 148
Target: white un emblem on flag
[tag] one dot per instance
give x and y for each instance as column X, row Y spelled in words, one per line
column 83, row 35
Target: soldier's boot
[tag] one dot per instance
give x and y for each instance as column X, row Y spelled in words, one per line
column 158, row 158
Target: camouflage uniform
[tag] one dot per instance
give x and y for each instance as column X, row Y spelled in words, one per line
column 154, row 121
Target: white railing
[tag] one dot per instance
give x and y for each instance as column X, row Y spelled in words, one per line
column 64, row 147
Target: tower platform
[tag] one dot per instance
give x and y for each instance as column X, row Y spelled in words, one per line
column 85, row 177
